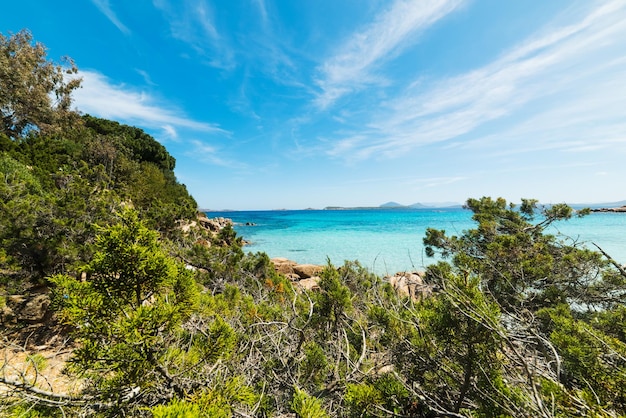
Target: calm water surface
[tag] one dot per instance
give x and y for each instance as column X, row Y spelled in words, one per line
column 387, row 241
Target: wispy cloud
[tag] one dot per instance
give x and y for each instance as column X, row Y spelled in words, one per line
column 242, row 104
column 589, row 115
column 262, row 10
column 193, row 22
column 351, row 68
column 170, row 132
column 210, row 154
column 101, row 97
column 422, row 183
column 105, row 9
column 572, row 74
column 265, row 48
column 146, row 77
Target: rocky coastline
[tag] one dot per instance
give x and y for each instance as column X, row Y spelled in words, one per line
column 307, row 277
column 621, row 209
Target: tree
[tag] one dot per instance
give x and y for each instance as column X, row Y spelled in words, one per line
column 127, row 314
column 47, row 227
column 23, row 205
column 35, row 93
column 555, row 335
column 518, row 263
column 137, row 144
column 452, row 355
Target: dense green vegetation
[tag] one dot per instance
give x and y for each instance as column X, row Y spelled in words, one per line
column 59, row 179
column 167, row 323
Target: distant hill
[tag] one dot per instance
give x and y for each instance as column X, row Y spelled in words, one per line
column 436, row 205
column 600, row 205
column 591, row 205
column 418, row 205
column 440, row 205
column 391, row 205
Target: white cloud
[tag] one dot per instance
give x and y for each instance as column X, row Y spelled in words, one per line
column 262, row 10
column 146, row 77
column 351, row 68
column 105, row 8
column 567, row 81
column 193, row 22
column 422, row 183
column 210, row 154
column 98, row 96
column 170, row 132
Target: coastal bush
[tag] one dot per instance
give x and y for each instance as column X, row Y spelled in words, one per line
column 331, row 303
column 453, row 351
column 464, row 351
column 22, row 200
column 55, row 188
column 520, row 323
column 132, row 142
column 126, row 315
column 548, row 299
column 380, row 396
column 306, row 406
column 64, row 173
column 34, row 411
column 592, row 361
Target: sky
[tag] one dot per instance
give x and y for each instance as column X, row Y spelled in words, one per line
column 280, row 104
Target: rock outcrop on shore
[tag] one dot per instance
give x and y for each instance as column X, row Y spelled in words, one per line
column 214, row 225
column 621, row 209
column 410, row 284
column 211, row 225
column 306, row 277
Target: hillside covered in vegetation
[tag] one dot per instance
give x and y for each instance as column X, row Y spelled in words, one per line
column 165, row 318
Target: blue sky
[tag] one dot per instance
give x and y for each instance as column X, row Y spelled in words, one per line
column 312, row 103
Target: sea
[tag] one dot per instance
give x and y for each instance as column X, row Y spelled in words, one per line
column 387, row 241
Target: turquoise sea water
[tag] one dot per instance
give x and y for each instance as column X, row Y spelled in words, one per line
column 388, row 241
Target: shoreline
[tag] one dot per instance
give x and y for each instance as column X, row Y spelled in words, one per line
column 621, row 209
column 390, row 241
column 307, row 277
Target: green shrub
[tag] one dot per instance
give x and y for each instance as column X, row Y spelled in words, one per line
column 306, row 406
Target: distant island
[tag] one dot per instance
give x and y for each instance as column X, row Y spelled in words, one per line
column 618, row 207
column 395, row 205
column 602, row 207
column 595, row 207
column 621, row 209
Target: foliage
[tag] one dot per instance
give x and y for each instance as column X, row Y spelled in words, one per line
column 127, row 313
column 63, row 173
column 133, row 142
column 332, row 302
column 519, row 322
column 554, row 301
column 518, row 264
column 592, row 361
column 453, row 354
column 34, row 411
column 35, row 94
column 252, row 344
column 218, row 402
column 47, row 231
column 306, row 406
column 381, row 395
